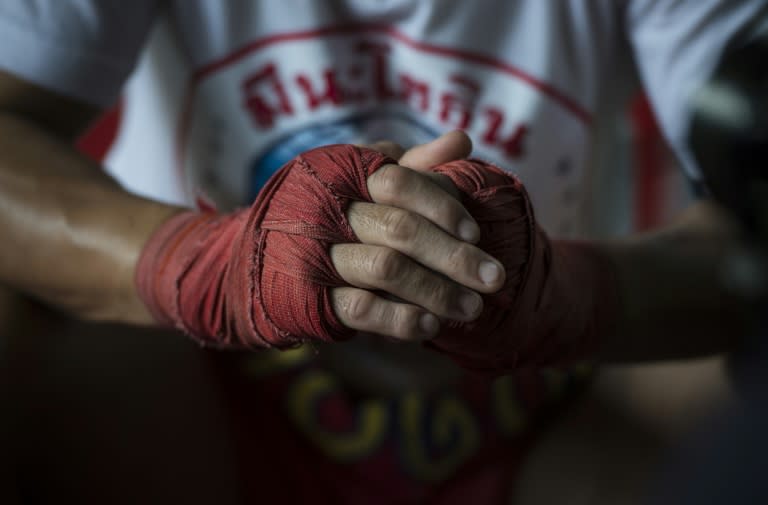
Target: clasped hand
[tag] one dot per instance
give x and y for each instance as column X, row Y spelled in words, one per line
column 416, row 264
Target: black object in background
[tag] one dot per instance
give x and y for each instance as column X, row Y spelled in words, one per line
column 726, row 463
column 729, row 132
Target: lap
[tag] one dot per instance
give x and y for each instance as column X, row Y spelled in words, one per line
column 107, row 414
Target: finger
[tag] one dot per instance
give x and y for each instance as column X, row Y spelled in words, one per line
column 364, row 311
column 381, row 268
column 386, row 147
column 422, row 241
column 453, row 145
column 407, row 189
column 445, row 183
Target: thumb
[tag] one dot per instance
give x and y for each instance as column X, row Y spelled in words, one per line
column 453, row 145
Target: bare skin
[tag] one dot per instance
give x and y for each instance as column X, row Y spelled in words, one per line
column 405, row 231
column 76, row 237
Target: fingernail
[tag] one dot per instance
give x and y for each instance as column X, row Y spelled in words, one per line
column 470, row 304
column 428, row 323
column 469, row 231
column 489, row 272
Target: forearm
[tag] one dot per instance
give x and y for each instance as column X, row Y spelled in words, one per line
column 672, row 301
column 71, row 235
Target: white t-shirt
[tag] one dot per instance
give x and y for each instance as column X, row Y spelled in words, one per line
column 232, row 90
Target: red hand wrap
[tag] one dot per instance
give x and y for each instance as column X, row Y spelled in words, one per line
column 559, row 298
column 260, row 277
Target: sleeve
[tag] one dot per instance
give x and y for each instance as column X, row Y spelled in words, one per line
column 677, row 45
column 84, row 49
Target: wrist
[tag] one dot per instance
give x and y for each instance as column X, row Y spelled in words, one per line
column 584, row 282
column 559, row 299
column 262, row 276
column 153, row 276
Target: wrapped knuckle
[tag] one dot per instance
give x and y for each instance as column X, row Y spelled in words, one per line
column 392, row 180
column 404, row 325
column 387, row 146
column 401, row 226
column 442, row 295
column 387, row 265
column 448, row 211
column 359, row 306
column 446, row 183
column 458, row 257
column 355, row 212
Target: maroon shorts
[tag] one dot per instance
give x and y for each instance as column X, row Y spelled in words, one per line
column 301, row 438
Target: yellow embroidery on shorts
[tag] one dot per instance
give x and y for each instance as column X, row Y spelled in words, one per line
column 365, row 437
column 509, row 414
column 583, row 370
column 556, row 381
column 434, row 445
column 272, row 361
